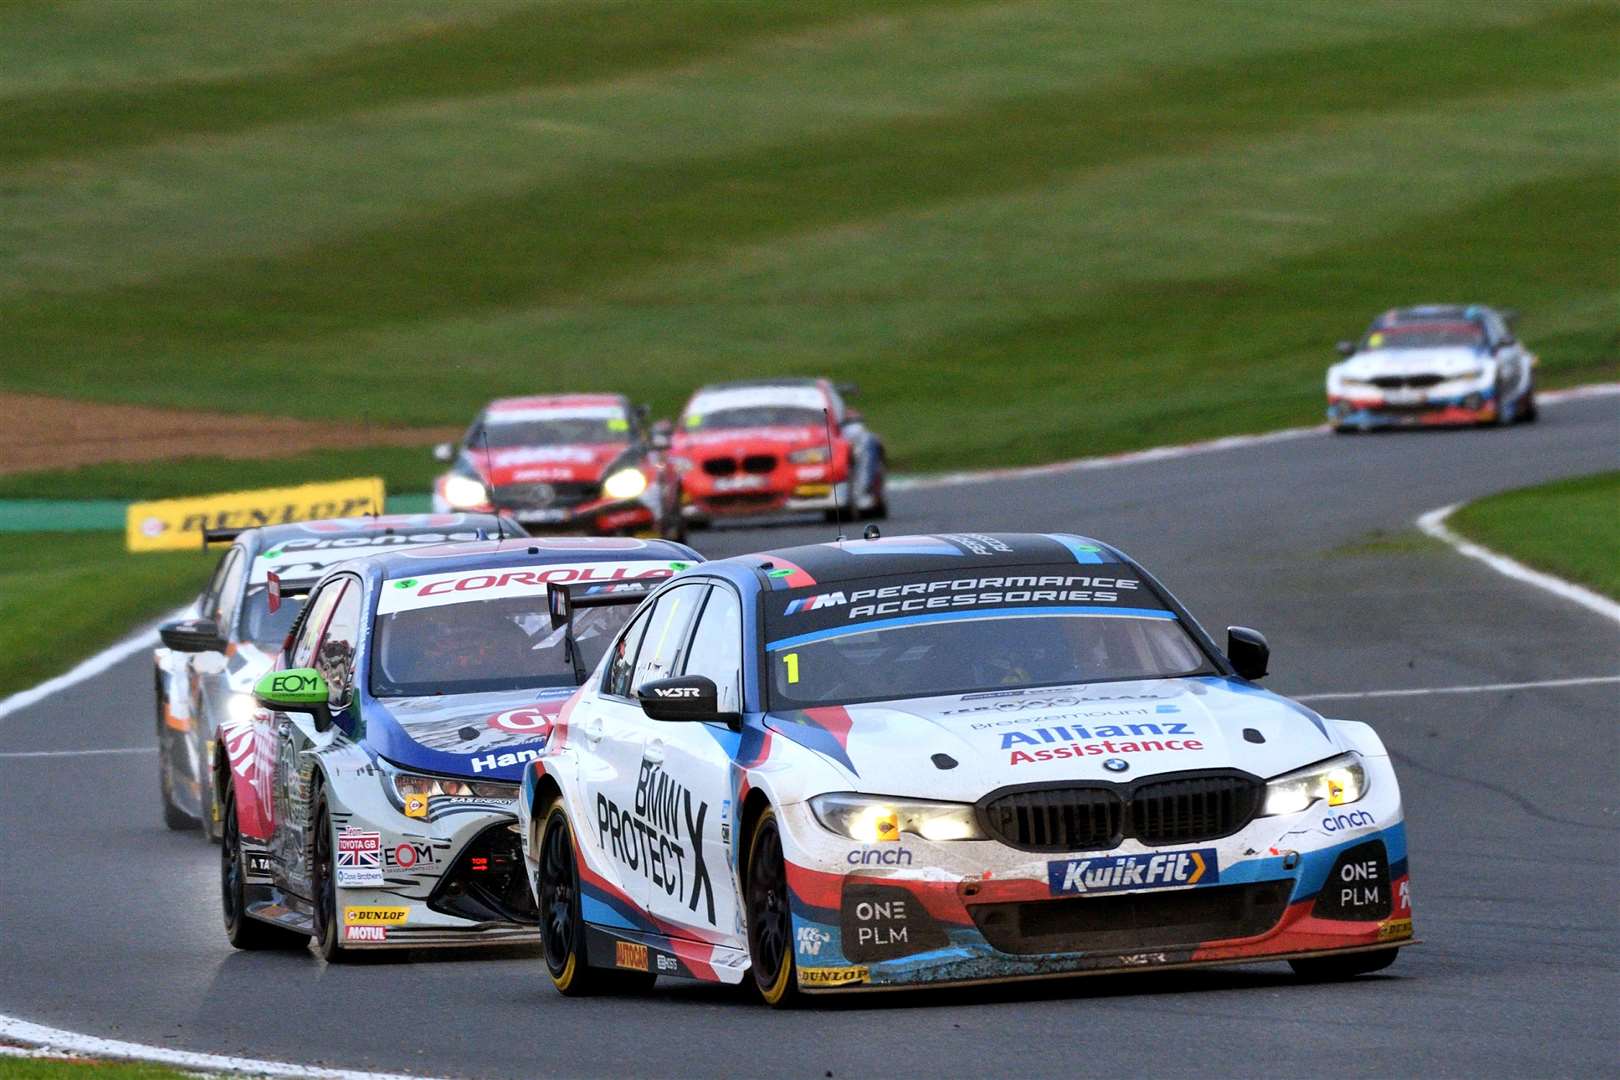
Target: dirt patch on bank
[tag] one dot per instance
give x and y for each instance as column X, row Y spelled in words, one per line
column 55, row 433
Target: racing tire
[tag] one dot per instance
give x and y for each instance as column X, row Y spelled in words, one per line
column 769, row 918
column 173, row 817
column 324, row 887
column 1527, row 408
column 1337, row 968
column 243, row 930
column 562, row 926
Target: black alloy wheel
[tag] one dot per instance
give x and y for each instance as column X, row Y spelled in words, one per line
column 324, row 886
column 770, row 920
column 242, row 929
column 562, row 928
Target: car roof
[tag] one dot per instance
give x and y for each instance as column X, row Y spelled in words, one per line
column 555, row 401
column 1431, row 313
column 270, row 536
column 847, row 560
column 521, row 551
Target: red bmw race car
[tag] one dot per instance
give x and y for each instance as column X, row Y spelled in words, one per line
column 570, row 463
column 762, row 447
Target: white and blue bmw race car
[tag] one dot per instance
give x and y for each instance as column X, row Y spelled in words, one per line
column 949, row 759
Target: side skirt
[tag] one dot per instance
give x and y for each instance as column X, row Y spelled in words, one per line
column 635, row 950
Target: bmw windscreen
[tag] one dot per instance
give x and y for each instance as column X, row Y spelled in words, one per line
column 943, row 633
column 1427, row 335
column 433, row 640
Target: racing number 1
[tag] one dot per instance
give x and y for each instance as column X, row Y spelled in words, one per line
column 792, row 661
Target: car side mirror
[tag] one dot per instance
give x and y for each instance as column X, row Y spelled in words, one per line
column 192, row 636
column 690, row 698
column 1346, row 348
column 847, row 389
column 1248, row 652
column 299, row 690
column 444, row 452
column 662, row 435
column 1506, row 340
column 852, row 417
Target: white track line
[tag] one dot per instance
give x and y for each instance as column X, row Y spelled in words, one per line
column 50, row 1038
column 1434, row 524
column 1487, row 688
column 1167, row 453
column 145, row 638
column 78, row 753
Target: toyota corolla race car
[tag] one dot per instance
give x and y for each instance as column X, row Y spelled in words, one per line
column 1440, row 364
column 368, row 803
column 578, row 463
column 949, row 759
column 764, row 447
column 211, row 657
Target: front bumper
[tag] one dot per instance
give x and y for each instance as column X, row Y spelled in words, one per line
column 605, row 518
column 1372, row 409
column 1276, row 890
column 453, row 878
column 793, row 498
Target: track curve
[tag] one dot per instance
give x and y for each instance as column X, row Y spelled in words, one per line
column 110, row 924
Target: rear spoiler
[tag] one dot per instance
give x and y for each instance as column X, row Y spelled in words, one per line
column 219, row 536
column 564, row 598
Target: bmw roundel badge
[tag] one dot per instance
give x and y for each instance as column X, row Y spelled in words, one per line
column 1115, row 764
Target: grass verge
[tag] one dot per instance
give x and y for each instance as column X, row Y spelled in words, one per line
column 65, row 595
column 1570, row 528
column 12, row 1068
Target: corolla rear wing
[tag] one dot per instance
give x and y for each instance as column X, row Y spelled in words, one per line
column 563, row 600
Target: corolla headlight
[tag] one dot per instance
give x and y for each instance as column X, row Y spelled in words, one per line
column 462, row 492
column 408, row 783
column 1338, row 780
column 871, row 818
column 240, row 707
column 814, row 455
column 625, row 484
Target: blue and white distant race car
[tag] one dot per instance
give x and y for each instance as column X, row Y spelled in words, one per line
column 1433, row 365
column 949, row 759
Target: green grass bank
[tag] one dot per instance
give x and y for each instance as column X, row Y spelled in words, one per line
column 1570, row 528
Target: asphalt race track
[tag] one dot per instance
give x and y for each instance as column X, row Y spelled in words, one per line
column 110, row 924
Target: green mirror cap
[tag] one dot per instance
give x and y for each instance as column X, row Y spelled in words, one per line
column 293, row 687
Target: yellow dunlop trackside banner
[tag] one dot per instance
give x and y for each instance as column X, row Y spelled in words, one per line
column 175, row 524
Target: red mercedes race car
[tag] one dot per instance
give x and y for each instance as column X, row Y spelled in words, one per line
column 764, row 447
column 574, row 463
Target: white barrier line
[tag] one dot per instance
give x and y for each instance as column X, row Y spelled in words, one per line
column 49, row 1038
column 1167, row 453
column 78, row 753
column 1486, row 688
column 145, row 638
column 1434, row 524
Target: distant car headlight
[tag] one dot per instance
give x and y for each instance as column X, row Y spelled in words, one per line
column 462, row 492
column 1339, row 780
column 625, row 484
column 869, row 819
column 814, row 455
column 240, row 707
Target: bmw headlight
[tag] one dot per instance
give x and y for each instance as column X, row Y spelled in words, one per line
column 815, row 455
column 463, row 492
column 1338, row 780
column 625, row 484
column 240, row 707
column 870, row 818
